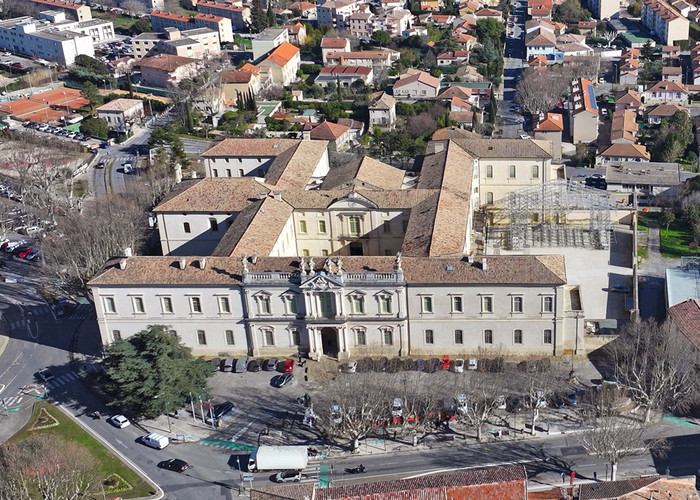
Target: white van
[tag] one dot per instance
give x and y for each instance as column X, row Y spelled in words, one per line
column 155, row 440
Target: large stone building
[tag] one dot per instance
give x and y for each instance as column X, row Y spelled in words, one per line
column 357, row 260
column 665, row 22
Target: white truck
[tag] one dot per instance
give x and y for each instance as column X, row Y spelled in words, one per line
column 278, row 458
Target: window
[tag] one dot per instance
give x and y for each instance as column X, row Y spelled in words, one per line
column 517, row 336
column 517, row 304
column 138, row 305
column 229, row 337
column 489, row 171
column 224, row 305
column 426, row 305
column 384, row 304
column 548, row 304
column 290, row 303
column 457, row 306
column 388, row 336
column 511, row 171
column 263, row 304
column 216, row 172
column 361, row 336
column 486, row 304
column 429, row 337
column 459, row 337
column 488, row 336
column 228, row 172
column 116, row 335
column 305, row 252
column 268, row 336
column 195, row 304
column 322, row 227
column 386, row 226
column 354, row 226
column 201, row 337
column 241, row 172
column 167, row 305
column 489, row 198
column 110, row 305
column 186, row 227
column 547, row 336
column 302, row 226
column 535, row 171
column 358, row 304
column 213, row 225
column 324, row 253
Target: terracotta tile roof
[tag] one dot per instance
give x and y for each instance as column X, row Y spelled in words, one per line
column 627, row 151
column 671, row 70
column 540, row 38
column 166, row 62
column 458, row 102
column 237, row 77
column 169, row 15
column 219, row 194
column 454, row 133
column 120, row 105
column 613, row 489
column 209, row 17
column 61, row 5
column 383, row 199
column 293, row 168
column 587, row 24
column 222, row 6
column 504, row 148
column 668, row 87
column 455, row 91
column 328, row 131
column 283, row 53
column 362, row 54
column 249, row 147
column 302, row 6
column 666, row 110
column 583, row 96
column 550, row 122
column 365, row 172
column 631, row 97
column 384, row 101
column 663, row 9
column 250, row 68
column 488, row 13
column 346, row 70
column 538, row 60
column 422, row 77
column 624, row 125
column 686, row 316
column 333, row 43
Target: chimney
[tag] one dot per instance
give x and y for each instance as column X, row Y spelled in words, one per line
column 202, row 262
column 122, row 264
column 254, row 259
column 182, row 262
column 277, row 195
column 127, row 252
column 483, row 264
column 470, row 258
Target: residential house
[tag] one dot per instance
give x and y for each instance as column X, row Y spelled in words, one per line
column 668, row 25
column 583, row 112
column 686, row 316
column 682, row 7
column 243, row 157
column 297, row 33
column 539, row 8
column 628, row 70
column 238, row 82
column 669, row 53
column 121, row 66
column 587, row 27
column 396, row 21
column 284, row 62
column 417, row 86
column 662, row 112
column 165, row 70
column 370, row 58
column 196, row 43
column 357, row 128
column 382, row 111
column 672, row 74
column 307, row 10
column 624, row 153
column 466, row 42
column 121, row 114
column 432, row 5
column 464, row 93
column 442, row 19
column 540, row 42
column 361, row 25
column 482, row 89
column 338, row 136
column 550, row 127
column 630, row 99
column 489, row 14
column 453, row 58
column 239, row 15
column 336, row 12
column 545, row 24
column 666, row 93
column 268, row 40
column 329, row 45
column 624, row 127
column 344, row 76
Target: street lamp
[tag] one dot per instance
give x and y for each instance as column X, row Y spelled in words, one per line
column 104, row 84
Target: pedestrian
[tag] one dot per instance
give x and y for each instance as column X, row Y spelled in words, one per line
column 563, row 478
column 595, row 475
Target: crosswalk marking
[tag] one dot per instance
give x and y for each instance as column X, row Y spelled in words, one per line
column 63, row 379
column 7, row 402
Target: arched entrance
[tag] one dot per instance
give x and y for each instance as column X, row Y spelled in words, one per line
column 329, row 342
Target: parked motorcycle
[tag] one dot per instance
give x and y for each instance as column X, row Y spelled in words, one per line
column 356, row 470
column 96, row 415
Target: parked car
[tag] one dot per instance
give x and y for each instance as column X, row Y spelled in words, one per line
column 349, row 367
column 571, row 399
column 458, row 365
column 500, row 402
column 420, row 365
column 288, row 476
column 255, row 365
column 174, row 464
column 219, row 411
column 128, row 168
column 514, row 404
column 216, row 364
column 242, row 364
column 288, row 366
column 280, row 381
column 397, row 407
column 24, row 252
column 155, row 440
column 270, row 365
column 100, row 164
column 46, row 375
column 228, row 365
column 119, row 421
column 473, row 364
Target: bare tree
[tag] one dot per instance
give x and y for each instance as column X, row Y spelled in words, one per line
column 541, row 380
column 272, row 93
column 479, row 404
column 610, row 35
column 657, row 364
column 134, row 8
column 540, row 91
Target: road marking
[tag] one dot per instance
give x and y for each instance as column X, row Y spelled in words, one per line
column 122, row 444
column 481, row 466
column 236, row 436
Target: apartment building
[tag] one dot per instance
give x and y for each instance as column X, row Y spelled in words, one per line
column 164, row 70
column 239, row 15
column 583, row 112
column 604, row 9
column 196, row 43
column 98, row 29
column 39, row 38
column 665, row 22
column 161, row 20
column 369, row 58
column 283, row 63
column 76, row 11
column 266, row 41
column 336, row 12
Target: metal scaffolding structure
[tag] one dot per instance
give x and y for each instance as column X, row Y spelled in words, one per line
column 538, row 215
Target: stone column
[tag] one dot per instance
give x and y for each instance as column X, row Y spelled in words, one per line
column 339, row 309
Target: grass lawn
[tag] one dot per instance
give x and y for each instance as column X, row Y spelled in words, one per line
column 109, row 464
column 675, row 243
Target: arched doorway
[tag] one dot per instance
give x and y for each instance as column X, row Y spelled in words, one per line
column 329, row 342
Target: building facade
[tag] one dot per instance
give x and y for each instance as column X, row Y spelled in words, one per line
column 665, row 22
column 239, row 15
column 121, row 114
column 161, row 20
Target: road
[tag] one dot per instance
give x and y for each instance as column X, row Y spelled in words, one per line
column 515, row 52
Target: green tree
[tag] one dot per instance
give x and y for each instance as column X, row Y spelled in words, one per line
column 140, row 26
column 381, row 38
column 635, row 9
column 489, row 29
column 271, row 21
column 570, row 12
column 666, row 219
column 647, row 50
column 258, row 16
column 91, row 93
column 95, row 127
column 151, row 369
column 91, row 64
